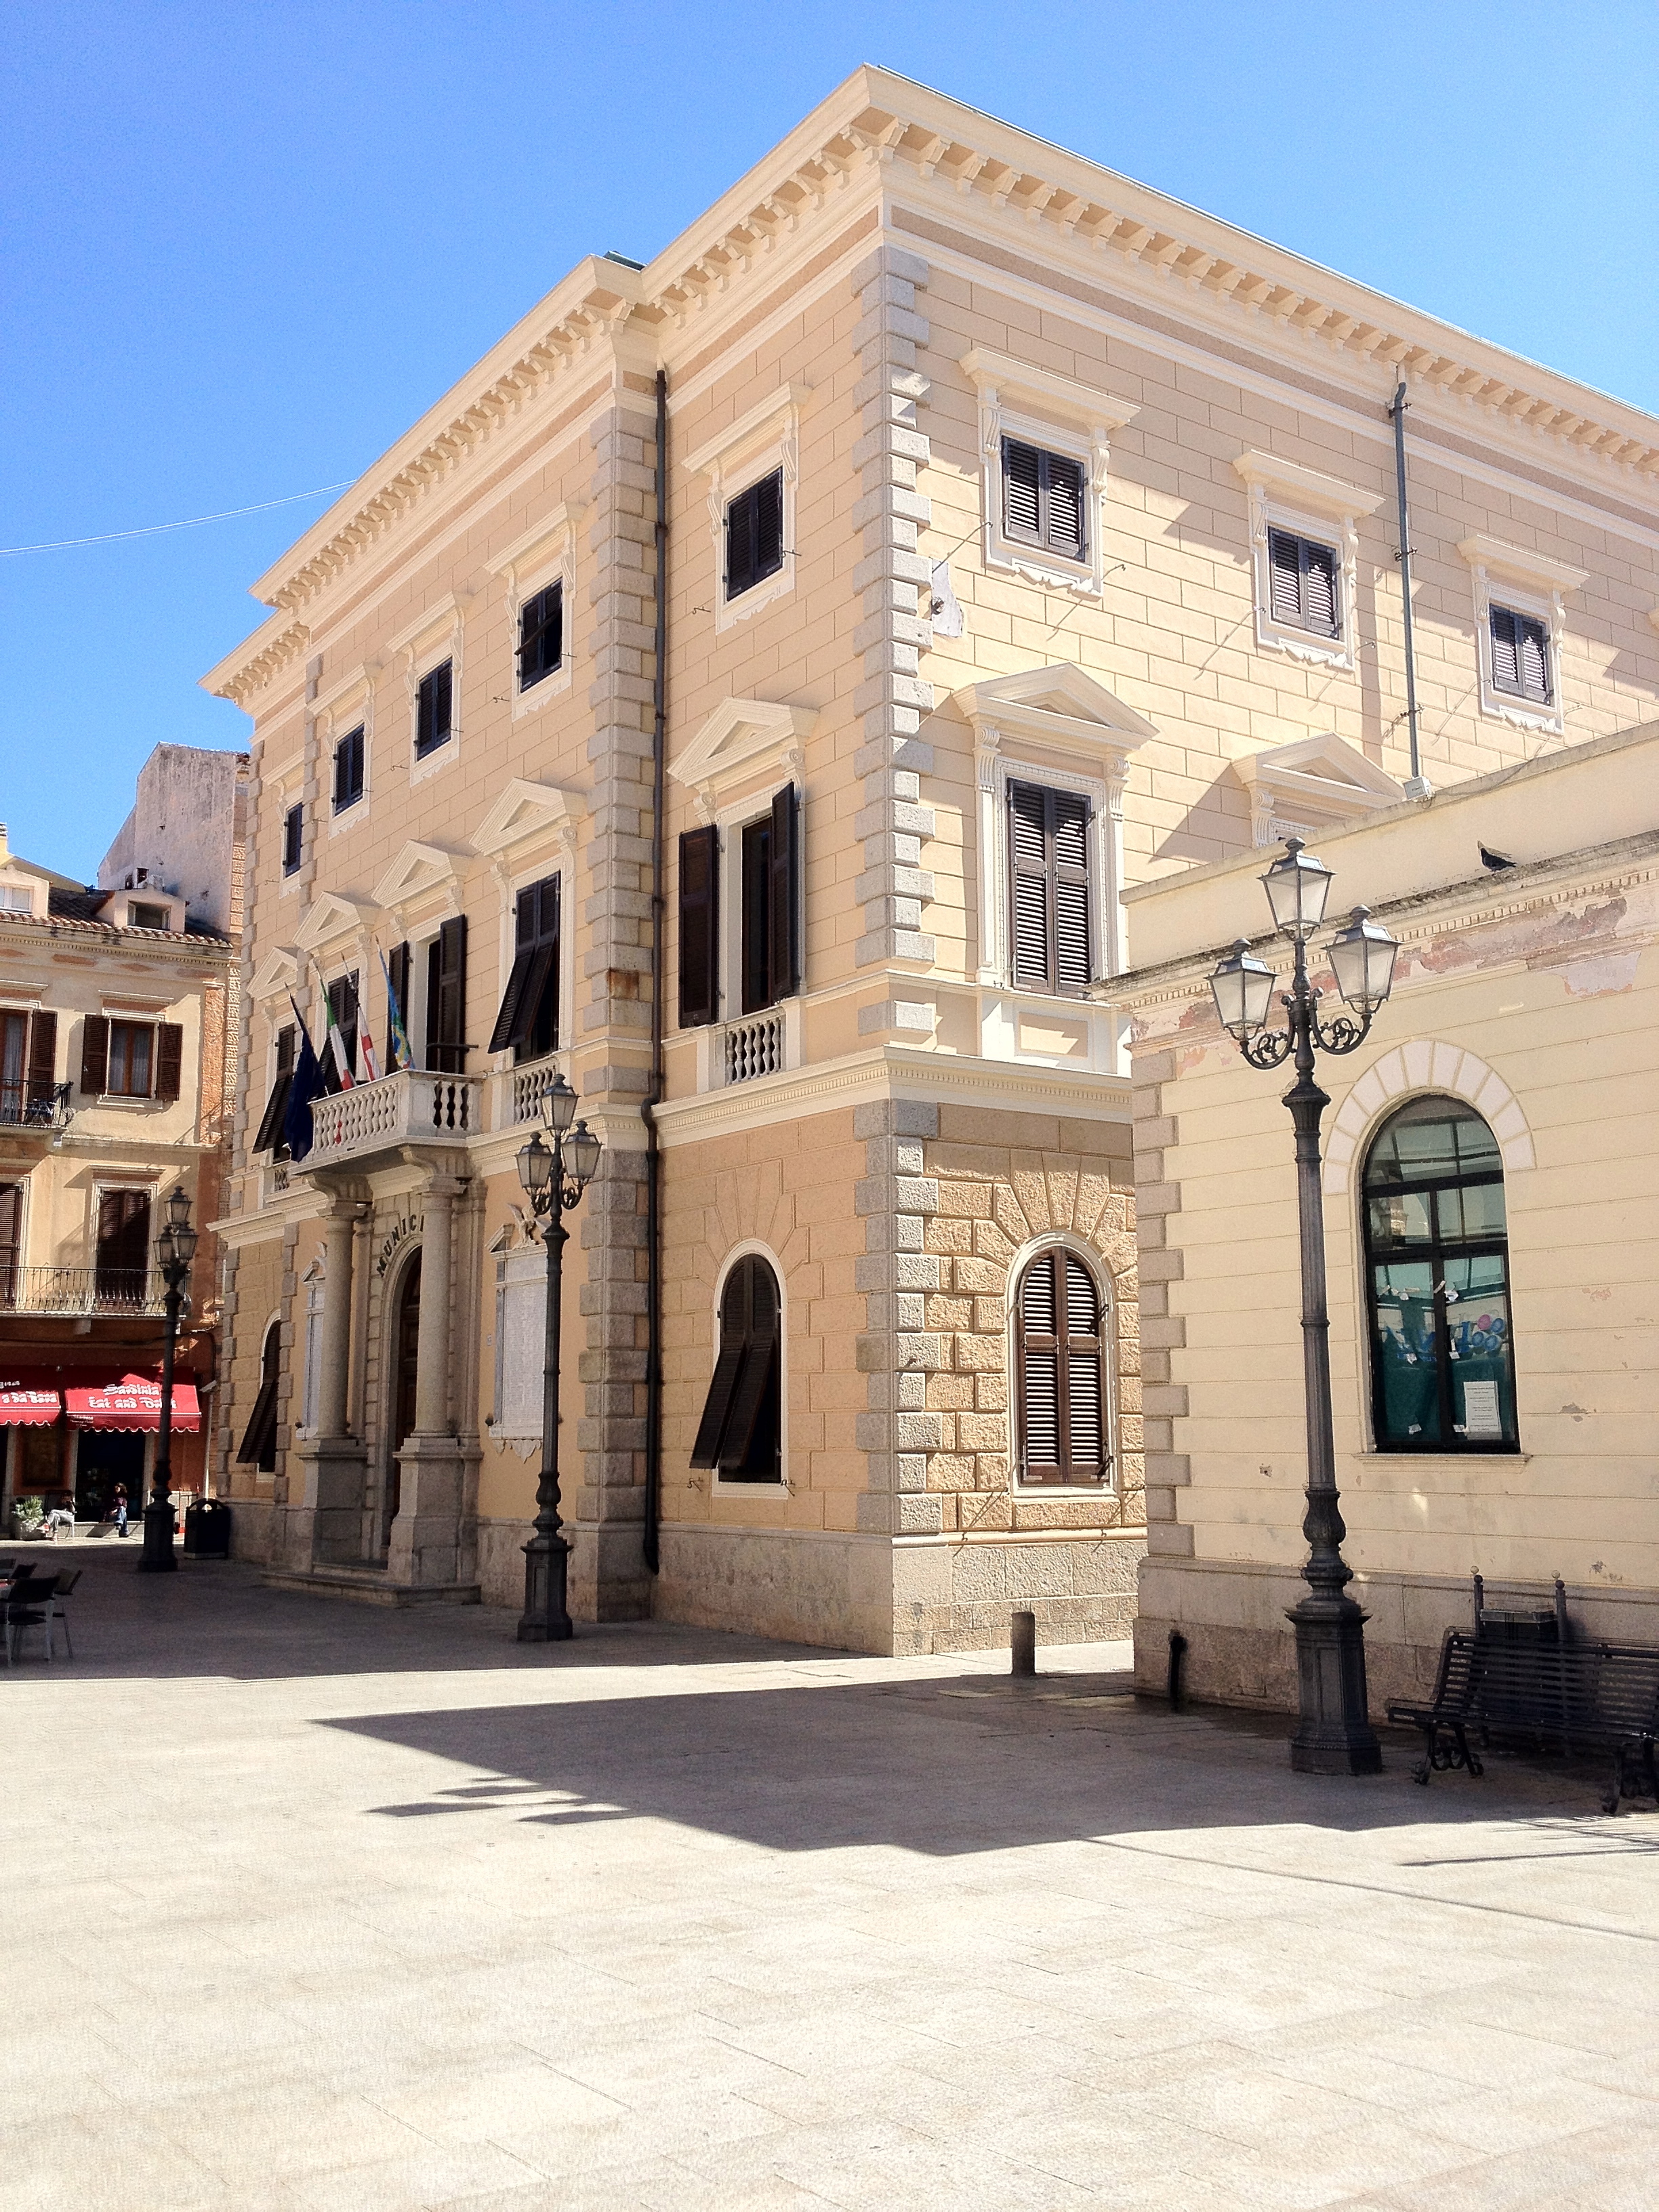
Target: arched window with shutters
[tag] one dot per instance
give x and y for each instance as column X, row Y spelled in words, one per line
column 1437, row 1254
column 740, row 1435
column 1061, row 1381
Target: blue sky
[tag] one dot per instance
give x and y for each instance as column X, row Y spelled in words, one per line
column 248, row 246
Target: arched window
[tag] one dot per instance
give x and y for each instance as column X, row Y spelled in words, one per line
column 259, row 1447
column 1059, row 1355
column 1436, row 1263
column 741, row 1431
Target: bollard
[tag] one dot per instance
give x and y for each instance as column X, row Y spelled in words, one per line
column 1022, row 1644
column 1177, row 1654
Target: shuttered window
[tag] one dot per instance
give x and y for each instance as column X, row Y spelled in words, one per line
column 699, row 926
column 1048, row 888
column 1042, row 500
column 1060, row 1356
column 170, row 1060
column 270, row 1138
column 741, row 1428
column 131, row 1060
column 294, row 832
column 754, row 535
column 1521, row 656
column 540, row 635
column 527, row 1020
column 28, row 1065
column 121, row 1276
column 258, row 1446
column 434, row 708
column 1302, row 583
column 349, row 770
column 445, row 999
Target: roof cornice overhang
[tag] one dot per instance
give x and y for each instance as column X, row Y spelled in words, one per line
column 913, row 136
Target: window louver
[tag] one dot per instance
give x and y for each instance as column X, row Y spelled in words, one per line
column 1062, row 1380
column 1022, row 474
column 699, row 921
column 754, row 535
column 1520, row 656
column 1302, row 586
column 1049, row 867
column 1043, row 499
column 739, row 1432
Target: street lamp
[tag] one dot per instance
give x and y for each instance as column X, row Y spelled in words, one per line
column 175, row 1248
column 1335, row 1734
column 554, row 1177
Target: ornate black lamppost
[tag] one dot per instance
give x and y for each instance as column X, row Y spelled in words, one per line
column 554, row 1177
column 175, row 1248
column 1334, row 1735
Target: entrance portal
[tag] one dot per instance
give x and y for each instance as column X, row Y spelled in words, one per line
column 403, row 1384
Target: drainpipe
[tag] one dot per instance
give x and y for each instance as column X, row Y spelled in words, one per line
column 652, row 1150
column 1416, row 785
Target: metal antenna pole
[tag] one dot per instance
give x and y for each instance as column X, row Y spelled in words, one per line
column 1417, row 786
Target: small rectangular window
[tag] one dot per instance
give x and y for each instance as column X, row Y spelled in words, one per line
column 433, row 704
column 131, row 1051
column 754, row 535
column 540, row 635
column 1043, row 500
column 349, row 770
column 148, row 917
column 1049, row 891
column 294, row 835
column 1521, row 656
column 1303, row 590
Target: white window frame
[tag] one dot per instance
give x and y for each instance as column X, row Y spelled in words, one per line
column 1284, row 496
column 1528, row 584
column 545, row 555
column 1060, row 415
column 1060, row 1240
column 764, row 441
column 755, row 1486
column 425, row 645
column 350, row 703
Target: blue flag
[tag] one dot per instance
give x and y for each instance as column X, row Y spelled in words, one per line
column 306, row 1085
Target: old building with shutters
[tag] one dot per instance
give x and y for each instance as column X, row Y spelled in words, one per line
column 118, row 1009
column 751, row 694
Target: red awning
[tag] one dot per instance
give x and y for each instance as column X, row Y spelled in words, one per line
column 29, row 1399
column 134, row 1403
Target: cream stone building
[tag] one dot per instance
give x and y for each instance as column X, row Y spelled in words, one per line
column 1023, row 537
column 118, row 1006
column 1491, row 1158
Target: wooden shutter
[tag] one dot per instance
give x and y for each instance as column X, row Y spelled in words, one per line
column 507, row 1015
column 1534, row 659
column 1037, row 1349
column 1069, row 813
column 741, row 564
column 1063, row 531
column 1284, row 576
column 1084, row 1439
column 753, row 1388
column 1021, row 497
column 43, row 1058
column 169, row 1060
column 94, row 1055
column 1506, row 651
column 1028, row 872
column 783, row 935
column 270, row 1121
column 1319, row 607
column 11, row 1233
column 699, row 925
column 445, row 999
column 261, row 1431
column 728, row 1367
column 768, row 524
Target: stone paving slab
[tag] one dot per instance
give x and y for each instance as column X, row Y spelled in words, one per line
column 320, row 1909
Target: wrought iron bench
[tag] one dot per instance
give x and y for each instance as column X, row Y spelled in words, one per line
column 1567, row 1698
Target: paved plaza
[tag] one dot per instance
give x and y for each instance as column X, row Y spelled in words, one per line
column 330, row 1909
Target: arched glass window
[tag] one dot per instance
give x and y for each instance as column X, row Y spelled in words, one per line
column 741, row 1431
column 1061, row 1378
column 1436, row 1263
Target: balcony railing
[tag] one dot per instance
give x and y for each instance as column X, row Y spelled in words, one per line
column 520, row 1090
column 755, row 1047
column 78, row 1291
column 43, row 1106
column 408, row 1107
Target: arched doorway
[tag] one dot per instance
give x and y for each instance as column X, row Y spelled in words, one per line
column 406, row 1334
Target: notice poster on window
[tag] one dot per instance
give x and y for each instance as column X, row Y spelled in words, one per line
column 1481, row 1415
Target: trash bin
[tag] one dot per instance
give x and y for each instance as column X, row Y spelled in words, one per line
column 1519, row 1627
column 207, row 1529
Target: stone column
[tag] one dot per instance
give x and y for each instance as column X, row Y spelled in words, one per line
column 333, row 1466
column 425, row 1549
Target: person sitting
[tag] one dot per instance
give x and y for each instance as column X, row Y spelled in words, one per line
column 61, row 1516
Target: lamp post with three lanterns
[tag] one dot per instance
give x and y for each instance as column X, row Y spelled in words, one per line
column 175, row 1248
column 1335, row 1734
column 554, row 1177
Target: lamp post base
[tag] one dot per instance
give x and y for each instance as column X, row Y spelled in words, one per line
column 158, row 1556
column 546, row 1618
column 1334, row 1735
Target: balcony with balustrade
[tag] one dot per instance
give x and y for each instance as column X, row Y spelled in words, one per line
column 79, row 1293
column 370, row 1124
column 32, row 1119
column 517, row 1092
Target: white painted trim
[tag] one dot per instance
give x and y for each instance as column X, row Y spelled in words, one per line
column 1063, row 1240
column 544, row 556
column 1273, row 508
column 755, row 1487
column 1527, row 584
column 742, row 740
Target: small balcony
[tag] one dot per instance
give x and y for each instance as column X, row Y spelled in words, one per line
column 407, row 1108
column 32, row 1117
column 75, row 1292
column 750, row 1049
column 518, row 1092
